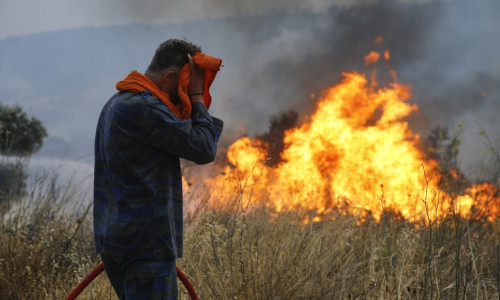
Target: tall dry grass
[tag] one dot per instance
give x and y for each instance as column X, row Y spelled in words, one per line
column 256, row 257
column 45, row 239
column 46, row 248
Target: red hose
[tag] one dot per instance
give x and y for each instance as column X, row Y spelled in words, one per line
column 187, row 284
column 79, row 288
column 92, row 275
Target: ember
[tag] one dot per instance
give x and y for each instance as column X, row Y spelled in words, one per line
column 372, row 58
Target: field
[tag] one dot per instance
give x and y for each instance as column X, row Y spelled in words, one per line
column 46, row 249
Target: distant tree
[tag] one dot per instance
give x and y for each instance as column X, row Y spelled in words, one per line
column 19, row 133
column 20, row 136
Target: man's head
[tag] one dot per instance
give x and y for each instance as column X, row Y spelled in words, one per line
column 168, row 60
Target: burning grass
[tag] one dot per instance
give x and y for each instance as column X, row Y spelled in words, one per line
column 354, row 153
column 251, row 252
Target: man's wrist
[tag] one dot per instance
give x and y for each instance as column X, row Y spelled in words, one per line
column 196, row 98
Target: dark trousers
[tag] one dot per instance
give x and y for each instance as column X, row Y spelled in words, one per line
column 141, row 279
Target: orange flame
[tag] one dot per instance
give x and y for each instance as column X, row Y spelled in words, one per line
column 378, row 40
column 354, row 154
column 387, row 55
column 371, row 58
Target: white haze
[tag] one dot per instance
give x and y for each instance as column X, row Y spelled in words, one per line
column 32, row 16
column 67, row 183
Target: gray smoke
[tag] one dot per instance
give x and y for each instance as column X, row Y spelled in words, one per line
column 275, row 55
column 448, row 52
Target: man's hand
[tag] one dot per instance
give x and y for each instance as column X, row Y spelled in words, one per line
column 196, row 82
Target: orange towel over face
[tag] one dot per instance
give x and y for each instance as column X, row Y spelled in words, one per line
column 210, row 64
column 137, row 82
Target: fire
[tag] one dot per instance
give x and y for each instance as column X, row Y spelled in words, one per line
column 387, row 55
column 371, row 58
column 378, row 40
column 352, row 150
column 355, row 154
column 484, row 196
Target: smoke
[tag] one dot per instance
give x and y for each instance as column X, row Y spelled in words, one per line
column 277, row 55
column 158, row 11
column 71, row 178
column 447, row 51
column 70, row 14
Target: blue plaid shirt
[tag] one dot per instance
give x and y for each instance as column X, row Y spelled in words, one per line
column 137, row 176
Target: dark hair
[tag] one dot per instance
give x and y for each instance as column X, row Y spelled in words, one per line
column 171, row 54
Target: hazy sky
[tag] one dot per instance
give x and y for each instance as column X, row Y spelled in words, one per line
column 31, row 16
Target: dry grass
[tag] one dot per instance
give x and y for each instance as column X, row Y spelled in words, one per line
column 46, row 250
column 46, row 244
column 255, row 257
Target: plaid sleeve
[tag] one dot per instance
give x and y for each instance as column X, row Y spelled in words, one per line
column 193, row 139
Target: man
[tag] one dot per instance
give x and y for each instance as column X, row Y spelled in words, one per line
column 142, row 132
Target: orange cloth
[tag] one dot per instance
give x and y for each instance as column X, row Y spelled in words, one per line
column 137, row 82
column 211, row 65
